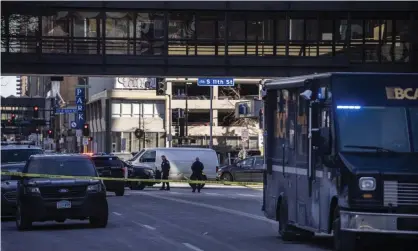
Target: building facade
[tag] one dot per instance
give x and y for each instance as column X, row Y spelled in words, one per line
column 117, row 107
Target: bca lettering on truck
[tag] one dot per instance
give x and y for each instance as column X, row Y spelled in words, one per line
column 341, row 155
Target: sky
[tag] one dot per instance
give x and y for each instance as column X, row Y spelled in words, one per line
column 8, row 86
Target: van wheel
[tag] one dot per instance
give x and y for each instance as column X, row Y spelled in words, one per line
column 343, row 240
column 22, row 221
column 285, row 230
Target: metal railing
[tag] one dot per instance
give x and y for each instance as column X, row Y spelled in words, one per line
column 357, row 51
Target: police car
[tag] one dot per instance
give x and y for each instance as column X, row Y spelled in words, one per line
column 13, row 158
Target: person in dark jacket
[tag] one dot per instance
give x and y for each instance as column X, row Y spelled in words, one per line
column 165, row 169
column 197, row 173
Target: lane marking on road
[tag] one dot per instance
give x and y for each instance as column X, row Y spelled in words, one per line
column 214, row 194
column 192, row 247
column 247, row 195
column 116, row 213
column 220, row 209
column 144, row 225
column 172, row 192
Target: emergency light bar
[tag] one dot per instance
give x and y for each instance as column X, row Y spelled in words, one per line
column 349, row 107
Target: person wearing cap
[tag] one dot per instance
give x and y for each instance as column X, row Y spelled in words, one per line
column 165, row 169
column 197, row 171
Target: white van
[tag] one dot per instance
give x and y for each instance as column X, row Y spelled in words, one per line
column 181, row 160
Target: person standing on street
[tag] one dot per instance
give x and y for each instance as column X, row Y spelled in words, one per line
column 165, row 169
column 197, row 172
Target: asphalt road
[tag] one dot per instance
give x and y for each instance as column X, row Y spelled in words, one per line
column 223, row 219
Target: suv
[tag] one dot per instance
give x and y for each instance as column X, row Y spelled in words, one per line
column 111, row 166
column 57, row 199
column 13, row 159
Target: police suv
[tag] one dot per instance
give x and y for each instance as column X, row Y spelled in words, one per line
column 13, row 158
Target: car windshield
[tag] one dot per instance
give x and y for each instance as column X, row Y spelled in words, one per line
column 107, row 162
column 375, row 128
column 62, row 166
column 18, row 155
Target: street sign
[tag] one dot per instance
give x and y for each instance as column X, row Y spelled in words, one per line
column 73, row 124
column 78, row 132
column 65, row 110
column 85, row 141
column 245, row 135
column 83, row 86
column 215, row 82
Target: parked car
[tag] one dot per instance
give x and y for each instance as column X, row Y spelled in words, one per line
column 250, row 169
column 141, row 172
column 111, row 166
column 56, row 199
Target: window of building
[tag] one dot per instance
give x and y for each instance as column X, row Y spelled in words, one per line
column 126, row 110
column 136, row 109
column 148, row 110
column 116, row 110
column 159, row 110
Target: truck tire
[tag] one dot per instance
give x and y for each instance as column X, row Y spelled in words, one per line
column 285, row 231
column 343, row 240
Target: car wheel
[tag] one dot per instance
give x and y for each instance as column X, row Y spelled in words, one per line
column 138, row 186
column 342, row 240
column 120, row 192
column 227, row 177
column 22, row 221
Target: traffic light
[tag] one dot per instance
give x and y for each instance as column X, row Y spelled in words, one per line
column 160, row 88
column 50, row 134
column 182, row 126
column 176, row 130
column 86, row 130
column 36, row 111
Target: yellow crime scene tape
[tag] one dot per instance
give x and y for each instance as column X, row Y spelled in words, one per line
column 239, row 183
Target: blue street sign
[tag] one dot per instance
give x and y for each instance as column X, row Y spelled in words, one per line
column 79, row 119
column 215, row 82
column 79, row 100
column 79, row 92
column 80, row 108
column 73, row 124
column 65, row 111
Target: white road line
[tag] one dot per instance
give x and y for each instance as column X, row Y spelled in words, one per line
column 116, row 213
column 144, row 225
column 220, row 209
column 247, row 195
column 192, row 247
column 172, row 192
column 214, row 194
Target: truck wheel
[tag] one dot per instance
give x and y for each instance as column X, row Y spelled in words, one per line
column 343, row 240
column 285, row 230
column 120, row 192
column 22, row 220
